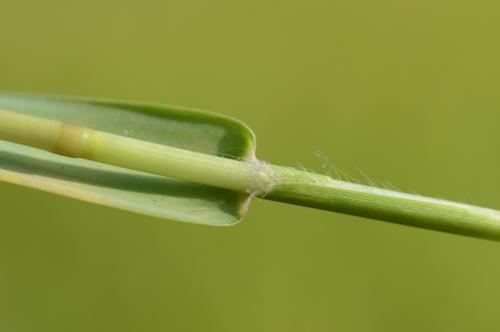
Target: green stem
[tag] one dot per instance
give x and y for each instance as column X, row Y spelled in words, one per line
column 317, row 191
column 80, row 142
column 253, row 177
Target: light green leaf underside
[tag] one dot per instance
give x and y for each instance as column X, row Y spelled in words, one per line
column 126, row 189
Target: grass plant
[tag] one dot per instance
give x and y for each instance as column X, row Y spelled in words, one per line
column 187, row 165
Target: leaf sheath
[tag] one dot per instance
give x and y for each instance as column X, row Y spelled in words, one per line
column 318, row 191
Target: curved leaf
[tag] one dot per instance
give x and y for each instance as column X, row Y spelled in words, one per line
column 122, row 188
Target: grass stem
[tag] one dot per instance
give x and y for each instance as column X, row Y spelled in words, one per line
column 253, row 177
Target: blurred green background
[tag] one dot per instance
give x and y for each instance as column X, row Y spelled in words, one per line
column 406, row 91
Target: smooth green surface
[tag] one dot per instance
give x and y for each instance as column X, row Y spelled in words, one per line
column 122, row 188
column 405, row 91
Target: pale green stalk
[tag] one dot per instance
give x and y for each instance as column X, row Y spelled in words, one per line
column 250, row 176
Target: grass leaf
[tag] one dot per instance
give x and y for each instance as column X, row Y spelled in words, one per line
column 126, row 189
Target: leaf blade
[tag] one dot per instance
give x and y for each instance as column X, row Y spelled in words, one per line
column 126, row 189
